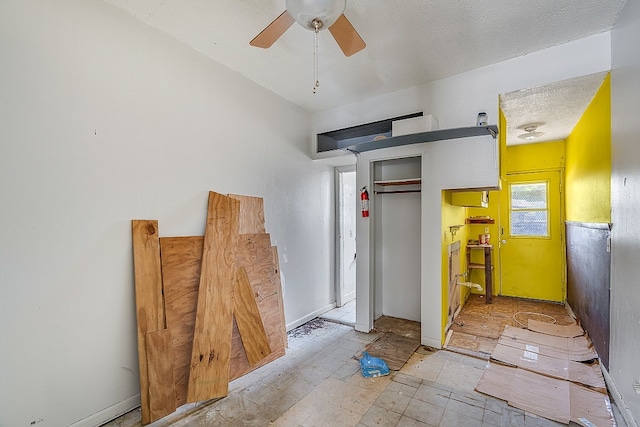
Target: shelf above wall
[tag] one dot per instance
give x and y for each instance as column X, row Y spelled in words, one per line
column 355, row 135
column 431, row 136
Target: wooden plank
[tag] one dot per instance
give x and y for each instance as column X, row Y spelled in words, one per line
column 394, row 349
column 249, row 323
column 148, row 287
column 210, row 355
column 278, row 284
column 260, row 260
column 181, row 262
column 162, row 396
column 251, row 214
column 255, row 255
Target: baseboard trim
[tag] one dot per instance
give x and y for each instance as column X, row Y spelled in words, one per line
column 301, row 321
column 617, row 398
column 430, row 342
column 110, row 413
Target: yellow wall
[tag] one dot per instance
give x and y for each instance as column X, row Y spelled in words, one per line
column 588, row 164
column 451, row 215
column 534, row 157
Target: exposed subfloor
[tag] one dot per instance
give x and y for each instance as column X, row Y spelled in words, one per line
column 318, row 383
column 476, row 329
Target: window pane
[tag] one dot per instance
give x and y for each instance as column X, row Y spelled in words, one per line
column 529, row 223
column 528, row 196
column 529, row 211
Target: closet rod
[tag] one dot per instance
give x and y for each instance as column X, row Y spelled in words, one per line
column 397, row 192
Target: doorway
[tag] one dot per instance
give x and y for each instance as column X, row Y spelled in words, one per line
column 531, row 235
column 346, row 199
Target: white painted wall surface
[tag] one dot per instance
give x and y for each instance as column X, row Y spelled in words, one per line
column 400, row 255
column 625, row 205
column 103, row 120
column 397, row 244
column 454, row 102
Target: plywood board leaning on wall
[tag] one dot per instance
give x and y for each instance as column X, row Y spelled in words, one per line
column 211, row 351
column 259, row 259
column 165, row 348
column 162, row 392
column 251, row 214
column 148, row 286
column 181, row 262
column 248, row 321
column 181, row 259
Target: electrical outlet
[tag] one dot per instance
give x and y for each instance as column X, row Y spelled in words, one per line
column 486, row 230
column 636, row 387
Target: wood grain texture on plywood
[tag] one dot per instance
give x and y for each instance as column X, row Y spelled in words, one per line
column 251, row 214
column 181, row 262
column 162, row 396
column 276, row 265
column 248, row 320
column 211, row 352
column 259, row 259
column 148, row 289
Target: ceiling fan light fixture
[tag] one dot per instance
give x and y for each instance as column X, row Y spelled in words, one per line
column 530, row 133
column 305, row 12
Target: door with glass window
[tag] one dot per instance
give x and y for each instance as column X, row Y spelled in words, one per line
column 531, row 237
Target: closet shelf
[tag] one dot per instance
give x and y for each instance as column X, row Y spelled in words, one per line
column 478, row 266
column 408, row 181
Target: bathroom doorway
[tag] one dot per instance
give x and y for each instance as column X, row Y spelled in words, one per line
column 346, row 202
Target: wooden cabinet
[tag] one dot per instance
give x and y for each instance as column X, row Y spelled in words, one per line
column 486, row 266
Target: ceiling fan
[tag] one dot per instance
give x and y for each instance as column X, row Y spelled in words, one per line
column 314, row 15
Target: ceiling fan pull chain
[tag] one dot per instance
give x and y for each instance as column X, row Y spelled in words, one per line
column 317, row 26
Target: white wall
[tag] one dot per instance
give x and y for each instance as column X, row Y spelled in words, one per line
column 103, row 120
column 397, row 243
column 625, row 205
column 455, row 102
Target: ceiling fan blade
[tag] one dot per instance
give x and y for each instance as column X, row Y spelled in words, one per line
column 346, row 36
column 269, row 35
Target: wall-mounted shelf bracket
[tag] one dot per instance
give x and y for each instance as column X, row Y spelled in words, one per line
column 453, row 229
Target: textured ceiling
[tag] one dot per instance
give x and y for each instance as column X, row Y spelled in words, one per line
column 555, row 108
column 409, row 42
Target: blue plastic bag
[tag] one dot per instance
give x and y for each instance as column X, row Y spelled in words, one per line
column 373, row 366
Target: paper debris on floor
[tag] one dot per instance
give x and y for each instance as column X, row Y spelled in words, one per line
column 579, row 349
column 555, row 399
column 567, row 331
column 588, row 374
column 540, row 371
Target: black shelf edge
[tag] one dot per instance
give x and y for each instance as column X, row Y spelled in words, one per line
column 346, row 137
column 431, row 136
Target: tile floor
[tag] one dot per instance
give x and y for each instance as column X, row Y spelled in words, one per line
column 318, row 383
column 345, row 314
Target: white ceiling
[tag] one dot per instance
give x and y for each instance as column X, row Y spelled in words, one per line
column 555, row 108
column 409, row 42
